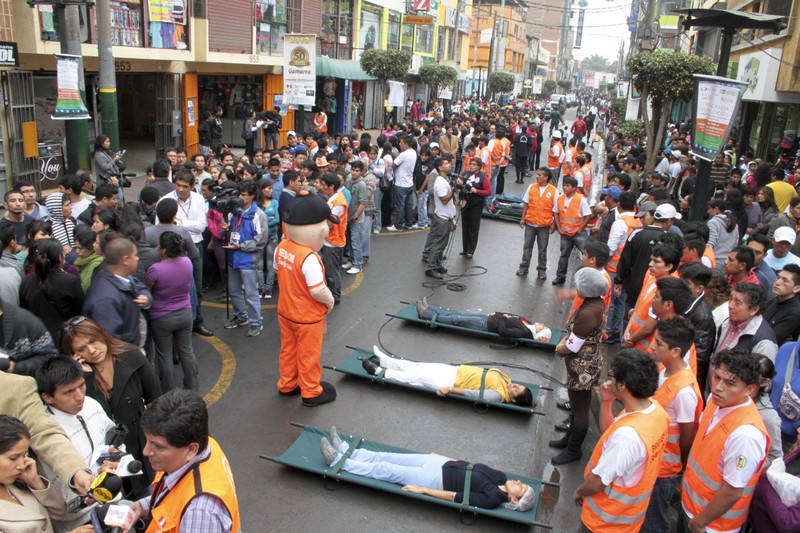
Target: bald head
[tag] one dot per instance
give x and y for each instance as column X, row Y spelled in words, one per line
column 117, row 250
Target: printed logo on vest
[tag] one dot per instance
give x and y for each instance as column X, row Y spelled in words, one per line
column 741, row 461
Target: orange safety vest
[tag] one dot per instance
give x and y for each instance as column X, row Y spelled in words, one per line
column 690, row 359
column 338, row 233
column 588, row 176
column 709, row 253
column 496, row 154
column 212, row 476
column 671, row 463
column 506, row 151
column 296, row 304
column 320, row 123
column 555, row 154
column 703, row 478
column 641, row 313
column 631, row 222
column 467, row 161
column 570, row 218
column 566, row 163
column 621, row 509
column 540, row 206
column 486, row 167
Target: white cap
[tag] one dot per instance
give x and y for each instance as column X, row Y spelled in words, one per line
column 556, row 134
column 676, row 153
column 666, row 212
column 785, row 234
column 291, row 134
column 434, row 145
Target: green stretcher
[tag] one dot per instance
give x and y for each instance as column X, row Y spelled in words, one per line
column 352, row 367
column 507, row 207
column 409, row 313
column 304, row 454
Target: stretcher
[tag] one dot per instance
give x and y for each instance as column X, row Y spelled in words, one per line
column 507, row 207
column 352, row 367
column 304, row 454
column 409, row 313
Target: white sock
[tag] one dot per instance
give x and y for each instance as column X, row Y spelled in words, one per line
column 386, row 360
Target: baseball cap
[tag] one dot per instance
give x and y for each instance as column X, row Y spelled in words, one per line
column 614, row 191
column 556, row 134
column 667, row 151
column 666, row 212
column 677, row 153
column 434, row 145
column 291, row 134
column 646, row 207
column 785, row 234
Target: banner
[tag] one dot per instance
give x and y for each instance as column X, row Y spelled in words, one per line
column 397, row 94
column 173, row 11
column 716, row 102
column 70, row 105
column 579, row 31
column 537, row 84
column 299, row 69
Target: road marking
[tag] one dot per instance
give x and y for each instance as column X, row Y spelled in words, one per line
column 357, row 281
column 226, row 374
column 403, row 232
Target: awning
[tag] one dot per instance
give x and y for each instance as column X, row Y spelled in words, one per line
column 340, row 68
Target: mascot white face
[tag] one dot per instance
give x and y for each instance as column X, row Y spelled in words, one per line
column 310, row 235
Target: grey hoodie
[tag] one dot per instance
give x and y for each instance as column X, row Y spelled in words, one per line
column 723, row 236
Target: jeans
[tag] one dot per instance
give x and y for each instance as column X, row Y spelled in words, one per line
column 616, row 311
column 174, row 330
column 465, row 319
column 271, row 140
column 420, row 469
column 437, row 241
column 243, row 286
column 360, row 234
column 532, row 234
column 332, row 261
column 205, row 150
column 657, row 518
column 568, row 243
column 403, row 206
column 422, row 209
column 493, row 181
column 266, row 279
column 555, row 174
column 376, row 217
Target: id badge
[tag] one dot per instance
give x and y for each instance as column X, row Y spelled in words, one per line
column 234, row 237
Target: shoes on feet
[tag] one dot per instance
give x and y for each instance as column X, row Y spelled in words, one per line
column 347, row 265
column 371, row 368
column 267, row 294
column 329, row 453
column 254, row 331
column 392, row 228
column 436, row 274
column 234, row 323
column 201, row 329
column 353, row 270
column 559, row 281
column 376, row 231
column 542, row 276
column 522, row 272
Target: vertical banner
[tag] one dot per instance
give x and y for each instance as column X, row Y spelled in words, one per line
column 299, row 69
column 537, row 84
column 716, row 102
column 579, row 31
column 69, row 105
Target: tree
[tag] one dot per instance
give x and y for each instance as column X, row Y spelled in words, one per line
column 564, row 85
column 437, row 77
column 662, row 78
column 549, row 87
column 597, row 63
column 386, row 64
column 611, row 88
column 500, row 82
column 631, row 128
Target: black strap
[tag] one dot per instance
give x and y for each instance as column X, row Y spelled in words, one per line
column 467, row 483
column 340, row 463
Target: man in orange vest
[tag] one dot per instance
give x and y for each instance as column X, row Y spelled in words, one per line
column 556, row 155
column 333, row 248
column 679, row 394
column 622, row 471
column 618, row 235
column 194, row 485
column 571, row 212
column 728, row 452
column 497, row 159
column 538, row 221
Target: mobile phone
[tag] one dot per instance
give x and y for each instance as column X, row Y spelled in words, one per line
column 122, row 153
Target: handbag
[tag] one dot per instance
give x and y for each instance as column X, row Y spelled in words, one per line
column 385, row 184
column 789, row 404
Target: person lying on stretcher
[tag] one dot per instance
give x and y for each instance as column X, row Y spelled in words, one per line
column 504, row 324
column 464, row 380
column 433, row 475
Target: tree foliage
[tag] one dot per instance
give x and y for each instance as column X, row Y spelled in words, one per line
column 662, row 78
column 501, row 82
column 632, row 128
column 611, row 88
column 618, row 106
column 599, row 63
column 566, row 85
column 437, row 77
column 386, row 64
column 549, row 87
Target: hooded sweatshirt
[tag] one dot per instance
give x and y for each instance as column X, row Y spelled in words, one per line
column 63, row 230
column 723, row 235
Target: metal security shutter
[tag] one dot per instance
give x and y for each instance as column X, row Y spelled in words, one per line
column 18, row 92
column 230, row 26
column 168, row 112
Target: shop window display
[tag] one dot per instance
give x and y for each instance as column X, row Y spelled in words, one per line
column 424, row 40
column 47, row 23
column 274, row 19
column 369, row 34
column 393, row 39
column 167, row 24
column 126, row 23
column 337, row 29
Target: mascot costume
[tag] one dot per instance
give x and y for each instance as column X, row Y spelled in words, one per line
column 304, row 300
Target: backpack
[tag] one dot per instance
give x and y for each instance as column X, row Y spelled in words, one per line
column 247, row 135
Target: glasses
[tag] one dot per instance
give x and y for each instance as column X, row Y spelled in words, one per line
column 73, row 322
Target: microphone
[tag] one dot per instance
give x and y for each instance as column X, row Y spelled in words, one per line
column 120, row 516
column 128, row 466
column 105, row 487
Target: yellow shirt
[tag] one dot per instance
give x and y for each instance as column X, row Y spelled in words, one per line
column 783, row 194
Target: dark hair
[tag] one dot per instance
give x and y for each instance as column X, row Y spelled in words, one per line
column 753, row 292
column 289, row 176
column 172, row 244
column 444, row 158
column 161, row 167
column 569, row 180
column 696, row 272
column 59, row 370
column 696, row 228
column 167, row 210
column 85, row 236
column 671, row 239
column 637, row 371
column 104, row 191
column 133, row 230
column 180, row 416
column 599, row 251
column 12, row 430
column 109, row 217
column 669, row 254
column 677, row 332
column 149, row 195
column 358, row 165
column 331, row 179
column 694, row 242
column 761, row 239
column 745, row 255
column 247, row 186
column 35, row 226
column 767, row 372
column 45, row 256
column 251, row 169
column 185, row 176
column 72, row 183
column 98, row 142
column 677, row 291
column 625, row 180
column 117, row 249
column 742, row 364
column 627, row 201
column 762, row 174
column 794, row 270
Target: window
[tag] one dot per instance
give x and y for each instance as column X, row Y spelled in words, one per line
column 47, row 22
column 778, row 7
column 440, row 48
column 393, row 41
column 126, row 23
column 407, row 40
column 274, row 19
column 167, row 25
column 424, row 40
column 369, row 33
column 337, row 29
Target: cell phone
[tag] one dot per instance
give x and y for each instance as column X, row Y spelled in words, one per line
column 109, row 457
column 122, row 153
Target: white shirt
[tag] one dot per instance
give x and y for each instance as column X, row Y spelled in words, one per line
column 618, row 233
column 79, row 207
column 404, row 171
column 191, row 214
column 624, row 456
column 777, row 263
column 682, row 407
column 442, row 188
column 85, row 440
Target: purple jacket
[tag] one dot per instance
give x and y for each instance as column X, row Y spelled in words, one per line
column 767, row 511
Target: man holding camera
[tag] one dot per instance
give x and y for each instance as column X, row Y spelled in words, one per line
column 443, row 217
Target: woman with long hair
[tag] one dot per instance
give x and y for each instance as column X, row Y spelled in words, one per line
column 105, row 218
column 769, row 415
column 105, row 162
column 88, row 260
column 735, row 202
column 50, row 293
column 171, row 312
column 718, row 294
column 119, row 377
column 723, row 230
column 769, row 208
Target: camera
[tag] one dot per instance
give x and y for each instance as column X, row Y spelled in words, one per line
column 456, row 181
column 226, row 200
column 125, row 180
column 116, row 435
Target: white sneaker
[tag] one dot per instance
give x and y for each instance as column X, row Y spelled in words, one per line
column 376, row 231
column 392, row 228
column 354, row 270
column 347, row 265
column 416, row 226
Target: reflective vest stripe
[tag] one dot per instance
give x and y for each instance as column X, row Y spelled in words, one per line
column 631, row 223
column 671, row 463
column 569, row 217
column 612, row 519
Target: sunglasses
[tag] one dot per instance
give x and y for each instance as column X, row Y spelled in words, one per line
column 68, row 326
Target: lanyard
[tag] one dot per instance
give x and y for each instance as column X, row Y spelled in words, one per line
column 86, row 430
column 188, row 207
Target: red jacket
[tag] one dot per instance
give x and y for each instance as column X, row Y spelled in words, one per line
column 578, row 127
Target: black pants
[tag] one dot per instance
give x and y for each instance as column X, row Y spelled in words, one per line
column 470, row 227
column 501, row 180
column 580, row 404
column 521, row 164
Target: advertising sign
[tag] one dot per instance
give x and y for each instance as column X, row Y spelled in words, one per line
column 716, row 102
column 299, row 69
column 8, row 54
column 69, row 105
column 537, row 84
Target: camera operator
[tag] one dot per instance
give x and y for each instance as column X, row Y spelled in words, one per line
column 444, row 215
column 476, row 188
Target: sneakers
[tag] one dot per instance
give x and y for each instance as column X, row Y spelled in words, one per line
column 234, row 323
column 371, row 368
column 522, row 271
column 267, row 295
column 353, row 270
column 392, row 228
column 376, row 231
column 347, row 265
column 254, row 331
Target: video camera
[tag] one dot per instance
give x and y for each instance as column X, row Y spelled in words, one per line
column 226, row 200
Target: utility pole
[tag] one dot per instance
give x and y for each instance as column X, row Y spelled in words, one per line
column 489, row 68
column 108, row 76
column 502, row 36
column 562, row 73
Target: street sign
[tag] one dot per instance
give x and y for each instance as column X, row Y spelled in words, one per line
column 418, row 19
column 421, row 5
